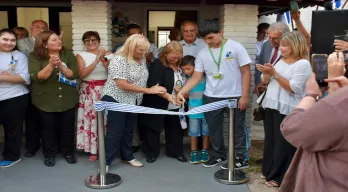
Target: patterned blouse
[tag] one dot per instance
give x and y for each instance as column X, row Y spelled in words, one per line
column 133, row 72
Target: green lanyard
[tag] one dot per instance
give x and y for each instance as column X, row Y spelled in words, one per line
column 220, row 55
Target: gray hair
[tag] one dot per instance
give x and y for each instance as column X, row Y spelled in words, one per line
column 280, row 27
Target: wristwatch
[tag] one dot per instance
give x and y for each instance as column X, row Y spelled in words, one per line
column 315, row 96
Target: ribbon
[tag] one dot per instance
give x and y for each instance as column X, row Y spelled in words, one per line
column 112, row 106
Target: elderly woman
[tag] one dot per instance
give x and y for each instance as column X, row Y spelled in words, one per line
column 286, row 87
column 93, row 72
column 13, row 96
column 126, row 83
column 53, row 70
column 164, row 71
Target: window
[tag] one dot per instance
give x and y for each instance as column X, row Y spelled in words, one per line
column 163, row 38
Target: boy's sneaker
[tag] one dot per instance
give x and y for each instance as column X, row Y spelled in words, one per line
column 239, row 164
column 5, row 163
column 194, row 158
column 204, row 156
column 214, row 161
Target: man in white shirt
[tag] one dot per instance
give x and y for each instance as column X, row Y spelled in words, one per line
column 26, row 45
column 32, row 120
column 226, row 64
column 191, row 44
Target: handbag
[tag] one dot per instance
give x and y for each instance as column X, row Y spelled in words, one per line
column 259, row 112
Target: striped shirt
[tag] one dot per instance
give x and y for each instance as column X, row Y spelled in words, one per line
column 196, row 98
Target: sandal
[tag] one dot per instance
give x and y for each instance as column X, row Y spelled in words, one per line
column 93, row 157
column 271, row 184
column 263, row 177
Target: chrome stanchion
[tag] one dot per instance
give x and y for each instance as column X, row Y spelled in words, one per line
column 102, row 180
column 231, row 176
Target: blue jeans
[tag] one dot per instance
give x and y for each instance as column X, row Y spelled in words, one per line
column 119, row 133
column 198, row 127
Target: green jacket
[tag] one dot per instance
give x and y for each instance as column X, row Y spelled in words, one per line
column 50, row 95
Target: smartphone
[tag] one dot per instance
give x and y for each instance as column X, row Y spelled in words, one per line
column 294, row 6
column 319, row 65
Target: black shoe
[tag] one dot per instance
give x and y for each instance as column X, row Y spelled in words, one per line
column 151, row 159
column 239, row 164
column 181, row 158
column 213, row 161
column 29, row 154
column 71, row 159
column 50, row 162
column 135, row 148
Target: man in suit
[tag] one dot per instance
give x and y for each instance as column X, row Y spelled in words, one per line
column 270, row 49
column 26, row 45
column 32, row 120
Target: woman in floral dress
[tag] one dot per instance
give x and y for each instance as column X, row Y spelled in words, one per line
column 93, row 72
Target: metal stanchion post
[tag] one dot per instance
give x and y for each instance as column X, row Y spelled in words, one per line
column 102, row 180
column 231, row 176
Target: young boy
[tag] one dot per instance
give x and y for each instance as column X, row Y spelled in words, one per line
column 198, row 125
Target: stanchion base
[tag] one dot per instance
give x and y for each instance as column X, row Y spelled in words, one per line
column 110, row 181
column 238, row 177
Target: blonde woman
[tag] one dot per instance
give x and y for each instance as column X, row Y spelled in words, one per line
column 287, row 81
column 165, row 72
column 126, row 83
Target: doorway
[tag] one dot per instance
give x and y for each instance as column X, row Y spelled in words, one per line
column 161, row 22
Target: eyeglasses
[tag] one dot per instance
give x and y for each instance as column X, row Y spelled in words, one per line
column 90, row 40
column 174, row 58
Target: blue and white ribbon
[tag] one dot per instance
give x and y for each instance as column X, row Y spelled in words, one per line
column 111, row 106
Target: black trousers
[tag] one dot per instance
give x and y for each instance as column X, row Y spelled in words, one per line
column 54, row 123
column 278, row 153
column 173, row 135
column 12, row 114
column 33, row 128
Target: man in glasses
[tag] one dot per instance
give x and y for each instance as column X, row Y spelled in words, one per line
column 152, row 54
column 270, row 49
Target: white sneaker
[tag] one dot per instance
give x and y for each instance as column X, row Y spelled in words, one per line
column 134, row 163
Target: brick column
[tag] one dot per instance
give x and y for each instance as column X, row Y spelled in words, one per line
column 239, row 23
column 91, row 15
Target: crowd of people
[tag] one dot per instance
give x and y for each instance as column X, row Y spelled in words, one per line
column 53, row 91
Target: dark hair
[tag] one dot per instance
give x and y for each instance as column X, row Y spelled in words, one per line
column 174, row 34
column 22, row 29
column 9, row 31
column 89, row 34
column 187, row 60
column 209, row 26
column 132, row 26
column 262, row 26
column 40, row 50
